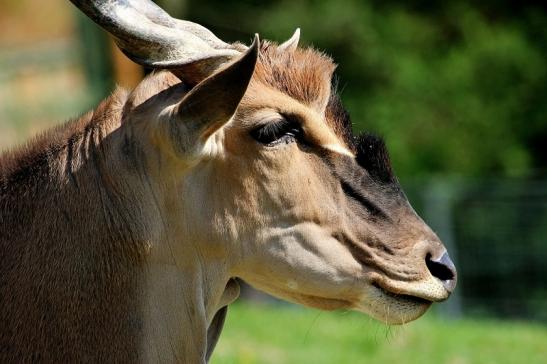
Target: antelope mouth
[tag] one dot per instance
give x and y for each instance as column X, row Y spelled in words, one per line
column 402, row 297
column 391, row 306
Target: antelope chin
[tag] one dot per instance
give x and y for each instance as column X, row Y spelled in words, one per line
column 392, row 308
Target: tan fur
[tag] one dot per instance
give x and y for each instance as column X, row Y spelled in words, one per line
column 302, row 74
column 118, row 247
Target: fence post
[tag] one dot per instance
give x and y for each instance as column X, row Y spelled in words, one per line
column 439, row 197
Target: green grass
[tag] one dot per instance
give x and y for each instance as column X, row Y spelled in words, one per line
column 284, row 334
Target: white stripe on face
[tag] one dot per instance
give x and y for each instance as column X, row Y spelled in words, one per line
column 337, row 148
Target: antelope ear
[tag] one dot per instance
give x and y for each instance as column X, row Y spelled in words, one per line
column 211, row 103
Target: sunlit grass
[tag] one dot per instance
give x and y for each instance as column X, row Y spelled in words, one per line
column 285, row 334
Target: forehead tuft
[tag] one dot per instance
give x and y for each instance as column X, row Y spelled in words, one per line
column 306, row 75
column 303, row 74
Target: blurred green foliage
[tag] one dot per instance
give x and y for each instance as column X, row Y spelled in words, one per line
column 455, row 87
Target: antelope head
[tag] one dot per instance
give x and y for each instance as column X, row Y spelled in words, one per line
column 259, row 175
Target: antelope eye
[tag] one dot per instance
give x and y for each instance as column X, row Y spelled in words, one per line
column 277, row 132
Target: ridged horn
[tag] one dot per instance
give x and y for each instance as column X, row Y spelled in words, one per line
column 292, row 43
column 152, row 38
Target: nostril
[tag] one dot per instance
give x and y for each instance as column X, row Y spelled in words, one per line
column 442, row 268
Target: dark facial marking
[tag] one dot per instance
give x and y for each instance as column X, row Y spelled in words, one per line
column 354, row 192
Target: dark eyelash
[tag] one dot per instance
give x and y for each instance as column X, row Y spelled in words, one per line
column 273, row 133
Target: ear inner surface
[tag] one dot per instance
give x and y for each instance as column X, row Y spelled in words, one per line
column 211, row 103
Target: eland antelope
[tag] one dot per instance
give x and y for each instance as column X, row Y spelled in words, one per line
column 123, row 232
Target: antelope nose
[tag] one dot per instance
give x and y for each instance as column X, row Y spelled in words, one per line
column 443, row 269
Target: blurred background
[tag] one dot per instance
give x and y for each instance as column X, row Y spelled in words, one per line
column 459, row 91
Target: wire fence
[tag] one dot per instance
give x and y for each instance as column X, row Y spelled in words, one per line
column 496, row 231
